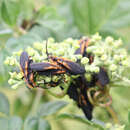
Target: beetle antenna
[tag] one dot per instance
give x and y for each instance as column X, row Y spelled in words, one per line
column 46, row 49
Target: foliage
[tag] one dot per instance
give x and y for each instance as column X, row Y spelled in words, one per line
column 23, row 22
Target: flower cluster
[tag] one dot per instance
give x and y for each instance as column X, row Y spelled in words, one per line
column 107, row 53
column 86, row 68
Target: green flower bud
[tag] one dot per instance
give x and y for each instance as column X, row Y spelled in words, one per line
column 78, row 56
column 55, row 78
column 15, row 86
column 99, row 51
column 104, row 57
column 13, row 74
column 84, row 60
column 6, row 62
column 109, row 40
column 94, row 68
column 113, row 67
column 87, row 68
column 76, row 46
column 96, row 37
column 122, row 57
column 61, row 51
column 90, row 49
column 92, row 41
column 20, row 75
column 38, row 46
column 51, row 40
column 118, row 43
column 125, row 63
column 18, row 53
column 108, row 125
column 11, row 81
column 69, row 40
column 31, row 51
column 47, row 79
column 117, row 58
column 88, row 77
column 73, row 58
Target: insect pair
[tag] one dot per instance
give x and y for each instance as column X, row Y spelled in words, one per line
column 77, row 90
column 56, row 66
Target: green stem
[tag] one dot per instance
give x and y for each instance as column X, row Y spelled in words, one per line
column 36, row 100
column 113, row 114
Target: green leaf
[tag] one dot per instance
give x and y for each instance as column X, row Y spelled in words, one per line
column 90, row 15
column 51, row 108
column 129, row 116
column 10, row 11
column 80, row 119
column 127, row 126
column 4, row 104
column 35, row 123
column 12, row 123
column 120, row 16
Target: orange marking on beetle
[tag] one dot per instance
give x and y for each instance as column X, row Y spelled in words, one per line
column 30, row 86
column 50, row 67
column 26, row 69
column 83, row 99
column 32, row 79
column 60, row 72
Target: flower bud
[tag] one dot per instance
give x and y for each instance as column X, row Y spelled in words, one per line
column 18, row 53
column 38, row 45
column 118, row 43
column 109, row 40
column 51, row 40
column 6, row 62
column 117, row 58
column 87, row 68
column 125, row 63
column 31, row 51
column 20, row 75
column 78, row 56
column 99, row 51
column 108, row 125
column 11, row 81
column 96, row 37
column 104, row 57
column 73, row 58
column 113, row 67
column 84, row 60
column 47, row 79
column 94, row 69
column 90, row 49
column 88, row 77
column 13, row 74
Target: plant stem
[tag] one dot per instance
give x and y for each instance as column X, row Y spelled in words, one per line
column 36, row 100
column 113, row 114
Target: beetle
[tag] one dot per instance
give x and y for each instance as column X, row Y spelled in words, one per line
column 77, row 91
column 25, row 62
column 31, row 70
column 66, row 64
column 82, row 50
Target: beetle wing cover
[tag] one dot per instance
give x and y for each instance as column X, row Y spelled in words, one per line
column 83, row 46
column 24, row 59
column 102, row 77
column 78, row 92
column 71, row 67
column 42, row 66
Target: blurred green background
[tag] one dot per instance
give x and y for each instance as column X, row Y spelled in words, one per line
column 23, row 22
